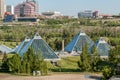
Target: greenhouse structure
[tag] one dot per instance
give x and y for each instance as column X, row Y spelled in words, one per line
column 103, row 47
column 78, row 42
column 39, row 46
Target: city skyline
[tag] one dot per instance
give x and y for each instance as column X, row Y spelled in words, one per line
column 74, row 6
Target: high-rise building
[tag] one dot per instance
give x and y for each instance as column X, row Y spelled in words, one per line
column 2, row 8
column 10, row 9
column 27, row 9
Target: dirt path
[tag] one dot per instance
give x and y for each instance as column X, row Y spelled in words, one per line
column 51, row 77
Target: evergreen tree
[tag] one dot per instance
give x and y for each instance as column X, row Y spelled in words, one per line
column 4, row 65
column 30, row 58
column 27, row 61
column 107, row 72
column 95, row 58
column 40, row 64
column 58, row 44
column 84, row 62
column 23, row 67
column 114, row 56
column 33, row 62
column 4, row 58
column 14, row 63
column 44, row 68
column 37, row 61
column 28, row 68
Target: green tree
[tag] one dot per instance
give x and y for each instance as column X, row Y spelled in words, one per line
column 4, row 58
column 14, row 63
column 114, row 56
column 65, row 33
column 107, row 72
column 33, row 62
column 95, row 58
column 28, row 68
column 23, row 67
column 84, row 62
column 27, row 61
column 40, row 64
column 4, row 65
column 44, row 68
column 58, row 44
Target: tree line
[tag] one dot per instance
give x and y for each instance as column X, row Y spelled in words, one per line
column 26, row 64
column 92, row 62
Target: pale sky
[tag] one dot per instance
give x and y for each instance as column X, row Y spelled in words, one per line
column 72, row 7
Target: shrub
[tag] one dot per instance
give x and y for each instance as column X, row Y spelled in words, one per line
column 107, row 72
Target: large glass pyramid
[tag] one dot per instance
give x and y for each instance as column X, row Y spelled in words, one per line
column 39, row 46
column 80, row 40
column 103, row 47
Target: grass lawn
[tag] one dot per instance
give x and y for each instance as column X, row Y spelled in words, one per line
column 70, row 62
column 67, row 64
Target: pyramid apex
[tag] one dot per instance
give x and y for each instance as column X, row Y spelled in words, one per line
column 101, row 40
column 27, row 38
column 82, row 33
column 37, row 36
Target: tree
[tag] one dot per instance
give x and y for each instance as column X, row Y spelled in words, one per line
column 84, row 62
column 95, row 58
column 33, row 62
column 29, row 58
column 28, row 68
column 14, row 63
column 23, row 67
column 40, row 64
column 4, row 65
column 107, row 72
column 4, row 58
column 58, row 44
column 114, row 56
column 65, row 33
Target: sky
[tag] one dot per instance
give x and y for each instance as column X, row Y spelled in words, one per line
column 72, row 7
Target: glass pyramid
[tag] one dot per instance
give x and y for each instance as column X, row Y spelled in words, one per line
column 39, row 46
column 103, row 47
column 80, row 40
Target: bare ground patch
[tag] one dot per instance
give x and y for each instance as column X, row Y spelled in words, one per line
column 51, row 77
